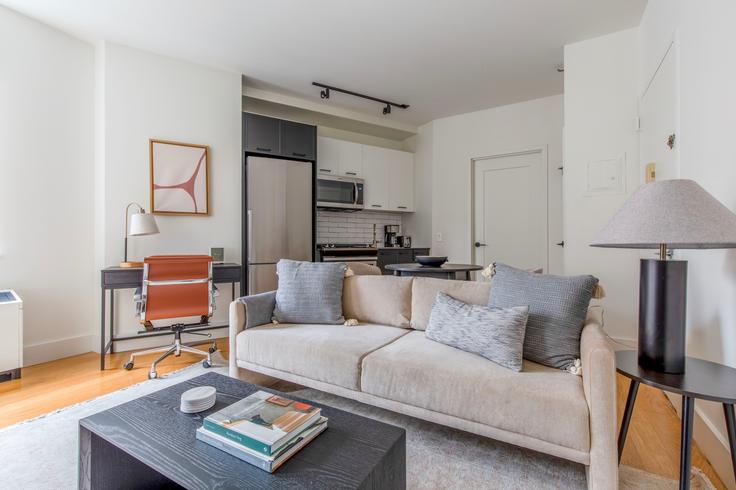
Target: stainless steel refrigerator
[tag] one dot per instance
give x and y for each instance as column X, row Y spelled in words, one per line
column 278, row 219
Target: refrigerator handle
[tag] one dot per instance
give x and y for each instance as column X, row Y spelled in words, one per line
column 250, row 235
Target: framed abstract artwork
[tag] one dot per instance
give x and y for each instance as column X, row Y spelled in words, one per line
column 179, row 178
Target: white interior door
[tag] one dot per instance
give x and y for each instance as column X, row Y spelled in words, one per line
column 510, row 210
column 659, row 117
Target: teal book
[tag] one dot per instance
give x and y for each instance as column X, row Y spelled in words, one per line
column 271, row 463
column 262, row 422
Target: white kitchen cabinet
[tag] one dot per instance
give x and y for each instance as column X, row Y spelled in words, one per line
column 328, row 156
column 388, row 174
column 339, row 157
column 351, row 159
column 401, row 182
column 376, row 164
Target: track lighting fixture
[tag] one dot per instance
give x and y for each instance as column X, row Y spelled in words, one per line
column 325, row 94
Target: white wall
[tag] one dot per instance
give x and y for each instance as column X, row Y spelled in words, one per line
column 456, row 140
column 705, row 40
column 46, row 182
column 418, row 225
column 150, row 96
column 600, row 110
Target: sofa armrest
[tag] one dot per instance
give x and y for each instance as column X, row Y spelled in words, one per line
column 599, row 384
column 246, row 312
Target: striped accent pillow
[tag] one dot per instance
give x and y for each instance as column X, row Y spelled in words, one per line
column 309, row 292
column 494, row 333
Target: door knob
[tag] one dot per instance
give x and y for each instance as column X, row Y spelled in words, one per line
column 478, row 244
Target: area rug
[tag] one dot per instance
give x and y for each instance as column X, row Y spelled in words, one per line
column 42, row 453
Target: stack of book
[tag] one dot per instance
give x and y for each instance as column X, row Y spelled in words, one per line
column 263, row 429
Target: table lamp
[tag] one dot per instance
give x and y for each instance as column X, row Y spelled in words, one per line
column 674, row 214
column 140, row 224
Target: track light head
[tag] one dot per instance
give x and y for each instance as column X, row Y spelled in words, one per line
column 387, row 109
column 325, row 94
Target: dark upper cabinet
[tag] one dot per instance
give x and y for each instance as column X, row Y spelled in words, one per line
column 298, row 140
column 271, row 136
column 261, row 134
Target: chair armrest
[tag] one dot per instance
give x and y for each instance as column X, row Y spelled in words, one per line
column 599, row 384
column 246, row 312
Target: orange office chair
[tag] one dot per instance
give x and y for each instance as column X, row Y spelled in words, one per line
column 176, row 287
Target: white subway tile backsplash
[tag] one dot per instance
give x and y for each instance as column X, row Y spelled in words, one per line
column 337, row 227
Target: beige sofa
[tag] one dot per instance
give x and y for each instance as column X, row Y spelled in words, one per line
column 388, row 362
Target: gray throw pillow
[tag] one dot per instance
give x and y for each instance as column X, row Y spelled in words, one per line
column 494, row 333
column 309, row 292
column 557, row 309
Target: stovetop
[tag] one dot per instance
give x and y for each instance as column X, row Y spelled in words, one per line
column 329, row 246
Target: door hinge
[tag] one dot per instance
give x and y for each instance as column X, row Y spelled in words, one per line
column 637, row 124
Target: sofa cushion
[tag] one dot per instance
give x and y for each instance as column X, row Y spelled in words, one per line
column 328, row 353
column 494, row 333
column 424, row 291
column 539, row 402
column 385, row 300
column 557, row 309
column 309, row 292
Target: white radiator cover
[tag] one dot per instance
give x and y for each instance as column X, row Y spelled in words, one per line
column 11, row 331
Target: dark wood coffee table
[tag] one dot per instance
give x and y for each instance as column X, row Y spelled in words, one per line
column 149, row 443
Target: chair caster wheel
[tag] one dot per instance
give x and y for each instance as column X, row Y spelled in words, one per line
column 128, row 366
column 152, row 375
column 212, row 350
column 206, row 364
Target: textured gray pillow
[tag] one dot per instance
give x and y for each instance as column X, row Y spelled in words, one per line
column 557, row 309
column 494, row 333
column 309, row 292
column 258, row 308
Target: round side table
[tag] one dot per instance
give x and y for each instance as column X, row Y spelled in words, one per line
column 445, row 271
column 702, row 379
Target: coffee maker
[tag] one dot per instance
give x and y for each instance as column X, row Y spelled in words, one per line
column 390, row 234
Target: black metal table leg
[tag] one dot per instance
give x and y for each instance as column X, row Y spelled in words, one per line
column 688, row 407
column 728, row 411
column 628, row 410
column 102, row 332
column 112, row 319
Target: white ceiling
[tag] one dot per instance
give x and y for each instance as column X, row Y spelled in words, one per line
column 443, row 57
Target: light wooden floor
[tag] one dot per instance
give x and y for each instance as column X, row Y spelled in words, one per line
column 652, row 445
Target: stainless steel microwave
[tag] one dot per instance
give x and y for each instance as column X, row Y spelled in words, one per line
column 343, row 193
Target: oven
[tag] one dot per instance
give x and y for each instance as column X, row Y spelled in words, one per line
column 348, row 253
column 341, row 193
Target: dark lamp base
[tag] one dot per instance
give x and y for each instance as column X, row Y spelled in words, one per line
column 662, row 309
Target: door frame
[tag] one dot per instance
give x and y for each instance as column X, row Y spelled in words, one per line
column 543, row 151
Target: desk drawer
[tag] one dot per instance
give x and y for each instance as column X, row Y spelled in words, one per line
column 122, row 278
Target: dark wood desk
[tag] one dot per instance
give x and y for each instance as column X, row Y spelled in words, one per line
column 112, row 278
column 149, row 443
column 445, row 271
column 702, row 379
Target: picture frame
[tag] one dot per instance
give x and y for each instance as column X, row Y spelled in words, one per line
column 179, row 178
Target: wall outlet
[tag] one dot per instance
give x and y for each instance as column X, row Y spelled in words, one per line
column 438, row 237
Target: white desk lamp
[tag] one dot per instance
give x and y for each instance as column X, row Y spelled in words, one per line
column 140, row 224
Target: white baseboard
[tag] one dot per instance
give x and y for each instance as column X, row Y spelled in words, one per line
column 56, row 349
column 624, row 343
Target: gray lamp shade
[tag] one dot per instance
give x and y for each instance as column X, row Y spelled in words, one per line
column 678, row 213
column 142, row 224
